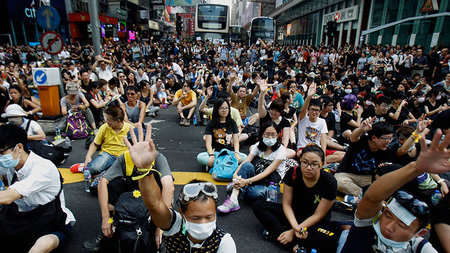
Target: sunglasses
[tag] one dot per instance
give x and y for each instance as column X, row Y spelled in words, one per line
column 191, row 191
column 415, row 206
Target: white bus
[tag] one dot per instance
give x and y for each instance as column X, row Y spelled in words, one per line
column 212, row 22
column 264, row 28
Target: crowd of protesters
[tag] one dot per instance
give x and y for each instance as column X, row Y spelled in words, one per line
column 363, row 123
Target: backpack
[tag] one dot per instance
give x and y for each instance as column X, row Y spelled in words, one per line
column 46, row 149
column 133, row 229
column 76, row 127
column 225, row 164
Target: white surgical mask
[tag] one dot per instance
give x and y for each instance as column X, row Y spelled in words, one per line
column 200, row 231
column 369, row 103
column 387, row 242
column 348, row 91
column 270, row 141
column 421, row 99
column 438, row 97
column 8, row 161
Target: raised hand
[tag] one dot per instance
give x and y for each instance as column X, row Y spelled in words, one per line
column 367, row 124
column 434, row 159
column 422, row 123
column 142, row 152
column 311, row 90
column 209, row 91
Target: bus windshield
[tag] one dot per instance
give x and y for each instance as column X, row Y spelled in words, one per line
column 212, row 17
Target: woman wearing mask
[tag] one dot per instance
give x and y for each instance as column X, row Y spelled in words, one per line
column 350, row 116
column 309, row 193
column 264, row 164
column 433, row 104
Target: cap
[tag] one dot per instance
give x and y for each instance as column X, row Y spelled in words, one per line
column 14, row 110
column 72, row 88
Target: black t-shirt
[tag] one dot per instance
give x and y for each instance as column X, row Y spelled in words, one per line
column 97, row 113
column 289, row 115
column 269, row 55
column 370, row 112
column 331, row 121
column 360, row 160
column 367, row 89
column 417, row 111
column 305, row 200
column 221, row 134
column 402, row 117
column 280, row 126
column 404, row 159
column 345, row 118
column 430, row 106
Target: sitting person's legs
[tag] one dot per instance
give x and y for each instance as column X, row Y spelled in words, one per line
column 102, row 162
column 352, row 184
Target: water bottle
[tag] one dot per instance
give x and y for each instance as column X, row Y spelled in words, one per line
column 436, row 197
column 87, row 179
column 301, row 249
column 67, row 142
column 272, row 194
column 194, row 119
column 57, row 131
column 313, row 251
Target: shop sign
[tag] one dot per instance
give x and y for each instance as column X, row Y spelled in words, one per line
column 153, row 25
column 344, row 15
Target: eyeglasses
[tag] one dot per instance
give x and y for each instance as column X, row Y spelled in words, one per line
column 131, row 94
column 191, row 191
column 313, row 166
column 386, row 138
column 314, row 110
column 273, row 135
column 415, row 206
column 386, row 106
column 224, row 109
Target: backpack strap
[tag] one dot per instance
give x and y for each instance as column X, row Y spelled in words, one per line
column 420, row 245
column 28, row 126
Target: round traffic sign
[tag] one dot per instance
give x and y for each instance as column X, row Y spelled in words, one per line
column 48, row 18
column 337, row 16
column 52, row 42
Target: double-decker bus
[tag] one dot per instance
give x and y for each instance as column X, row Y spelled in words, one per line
column 237, row 34
column 263, row 28
column 212, row 22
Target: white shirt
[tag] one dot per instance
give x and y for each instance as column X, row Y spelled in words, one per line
column 279, row 154
column 104, row 74
column 33, row 129
column 177, row 69
column 38, row 183
column 310, row 132
column 226, row 245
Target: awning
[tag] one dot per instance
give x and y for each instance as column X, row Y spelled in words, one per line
column 84, row 17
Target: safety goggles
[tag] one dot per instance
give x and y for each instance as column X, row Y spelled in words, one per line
column 191, row 191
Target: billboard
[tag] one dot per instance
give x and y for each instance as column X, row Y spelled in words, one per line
column 182, row 2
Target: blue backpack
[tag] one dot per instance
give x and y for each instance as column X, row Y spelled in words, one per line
column 225, row 164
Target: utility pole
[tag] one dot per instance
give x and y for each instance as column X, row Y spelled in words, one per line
column 95, row 26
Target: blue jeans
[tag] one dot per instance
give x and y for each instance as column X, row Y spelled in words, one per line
column 102, row 162
column 254, row 192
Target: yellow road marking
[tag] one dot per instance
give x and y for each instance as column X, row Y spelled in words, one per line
column 181, row 178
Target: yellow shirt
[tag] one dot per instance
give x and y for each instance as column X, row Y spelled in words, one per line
column 112, row 142
column 189, row 96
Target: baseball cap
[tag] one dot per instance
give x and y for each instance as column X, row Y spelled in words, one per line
column 72, row 88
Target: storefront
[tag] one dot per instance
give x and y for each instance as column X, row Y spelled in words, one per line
column 80, row 26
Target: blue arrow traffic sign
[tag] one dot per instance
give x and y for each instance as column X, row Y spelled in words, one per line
column 48, row 18
column 40, row 77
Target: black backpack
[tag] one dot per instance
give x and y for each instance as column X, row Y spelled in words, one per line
column 134, row 230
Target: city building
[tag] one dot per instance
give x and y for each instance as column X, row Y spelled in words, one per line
column 413, row 22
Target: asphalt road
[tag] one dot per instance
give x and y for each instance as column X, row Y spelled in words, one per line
column 180, row 145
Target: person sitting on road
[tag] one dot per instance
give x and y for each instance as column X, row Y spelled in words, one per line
column 75, row 101
column 364, row 156
column 350, row 115
column 309, row 193
column 96, row 102
column 234, row 113
column 34, row 217
column 264, row 164
column 134, row 109
column 193, row 226
column 115, row 181
column 221, row 132
column 241, row 100
column 15, row 92
column 16, row 115
column 161, row 94
column 147, row 96
column 274, row 113
column 186, row 101
column 400, row 225
column 110, row 137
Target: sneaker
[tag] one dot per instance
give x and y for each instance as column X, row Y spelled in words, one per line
column 95, row 244
column 228, row 206
column 229, row 187
column 350, row 199
column 152, row 114
column 187, row 122
column 182, row 121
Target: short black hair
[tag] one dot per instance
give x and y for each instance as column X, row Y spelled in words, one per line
column 380, row 128
column 315, row 102
column 11, row 135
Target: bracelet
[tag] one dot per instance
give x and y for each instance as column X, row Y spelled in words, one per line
column 440, row 181
column 249, row 182
column 211, row 154
column 415, row 134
